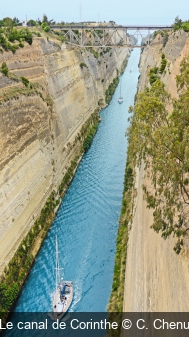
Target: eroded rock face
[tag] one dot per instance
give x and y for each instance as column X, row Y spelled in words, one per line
column 36, row 139
column 156, row 278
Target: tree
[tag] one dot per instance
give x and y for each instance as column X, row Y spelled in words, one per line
column 161, row 140
column 16, row 21
column 45, row 18
column 31, row 23
column 39, row 22
column 177, row 23
column 48, row 22
column 8, row 22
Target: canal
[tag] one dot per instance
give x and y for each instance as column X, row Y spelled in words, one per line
column 87, row 221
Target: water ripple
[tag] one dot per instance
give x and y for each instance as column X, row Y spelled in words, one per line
column 87, row 221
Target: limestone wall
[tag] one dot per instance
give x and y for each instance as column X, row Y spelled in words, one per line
column 36, row 139
column 156, row 278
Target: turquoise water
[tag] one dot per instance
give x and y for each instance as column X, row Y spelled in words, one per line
column 87, row 221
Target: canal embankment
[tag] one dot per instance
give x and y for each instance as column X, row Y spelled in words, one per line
column 45, row 133
column 156, row 278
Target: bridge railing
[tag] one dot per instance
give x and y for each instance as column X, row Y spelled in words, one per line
column 98, row 27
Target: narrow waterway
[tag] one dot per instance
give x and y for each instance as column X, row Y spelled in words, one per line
column 87, row 221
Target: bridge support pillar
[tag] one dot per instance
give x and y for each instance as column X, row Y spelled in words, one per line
column 115, row 33
column 148, row 38
column 81, row 39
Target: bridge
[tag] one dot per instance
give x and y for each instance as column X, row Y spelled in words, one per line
column 108, row 36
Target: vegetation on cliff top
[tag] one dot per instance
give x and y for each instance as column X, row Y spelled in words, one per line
column 161, row 139
column 13, row 34
column 179, row 24
column 25, row 87
column 9, row 35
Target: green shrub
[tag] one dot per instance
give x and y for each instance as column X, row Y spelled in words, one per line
column 4, row 69
column 14, row 35
column 62, row 38
column 111, row 89
column 82, row 64
column 37, row 34
column 26, row 35
column 163, row 63
column 3, row 41
column 14, row 48
column 88, row 140
column 153, row 75
column 21, row 45
column 185, row 26
column 117, row 292
column 46, row 29
column 43, row 25
column 25, row 81
column 92, row 51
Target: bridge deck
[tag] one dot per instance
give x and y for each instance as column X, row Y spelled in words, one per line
column 97, row 27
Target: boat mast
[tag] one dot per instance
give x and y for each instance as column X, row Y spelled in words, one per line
column 57, row 265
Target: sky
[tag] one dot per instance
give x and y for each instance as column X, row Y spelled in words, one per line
column 120, row 11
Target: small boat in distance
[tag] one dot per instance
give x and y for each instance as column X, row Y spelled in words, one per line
column 120, row 99
column 64, row 291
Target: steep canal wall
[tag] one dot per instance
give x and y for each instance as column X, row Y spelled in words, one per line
column 43, row 124
column 156, row 278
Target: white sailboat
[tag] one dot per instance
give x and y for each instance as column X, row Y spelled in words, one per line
column 120, row 99
column 64, row 291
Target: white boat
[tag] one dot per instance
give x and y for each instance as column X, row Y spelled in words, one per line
column 64, row 291
column 120, row 99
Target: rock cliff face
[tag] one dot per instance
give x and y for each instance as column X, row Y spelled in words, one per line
column 156, row 278
column 36, row 137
